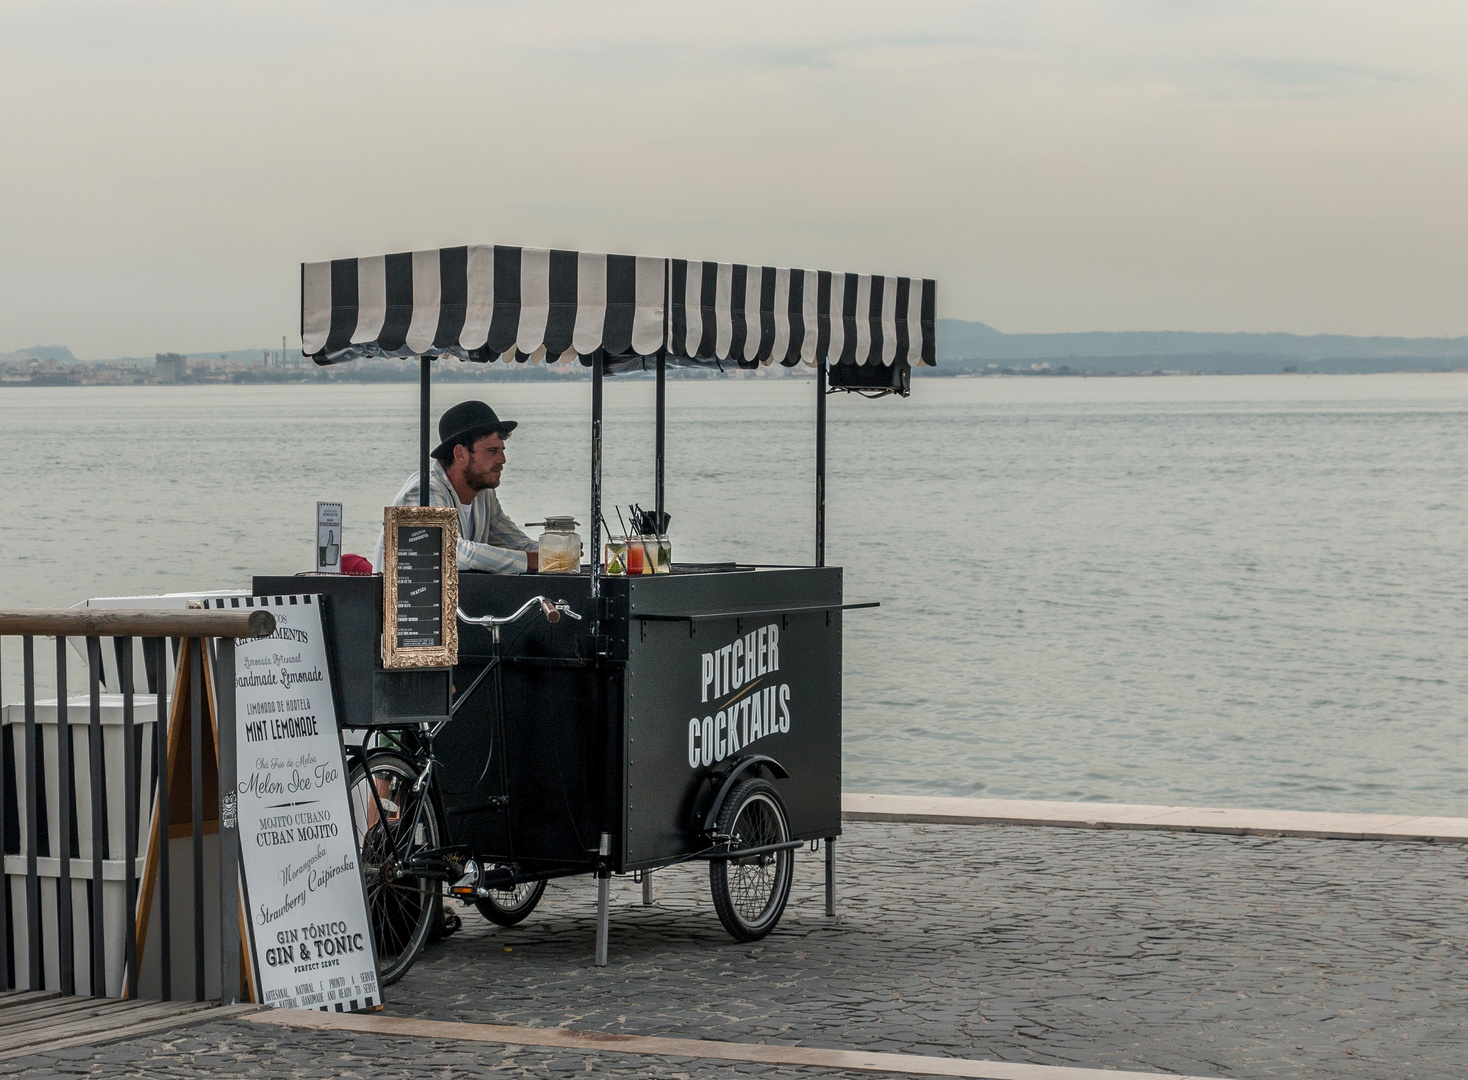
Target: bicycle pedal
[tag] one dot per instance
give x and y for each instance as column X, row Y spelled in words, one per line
column 468, row 885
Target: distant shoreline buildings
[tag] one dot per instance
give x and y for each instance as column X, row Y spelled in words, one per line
column 20, row 369
column 965, row 348
column 264, row 366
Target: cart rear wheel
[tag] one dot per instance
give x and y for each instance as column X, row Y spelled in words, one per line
column 508, row 906
column 750, row 891
column 393, row 823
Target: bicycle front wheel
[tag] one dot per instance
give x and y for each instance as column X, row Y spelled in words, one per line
column 750, row 890
column 394, row 824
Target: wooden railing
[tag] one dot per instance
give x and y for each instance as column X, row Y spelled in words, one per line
column 203, row 642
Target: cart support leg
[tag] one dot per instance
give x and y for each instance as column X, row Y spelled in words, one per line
column 603, row 916
column 830, row 877
column 647, row 888
column 603, row 902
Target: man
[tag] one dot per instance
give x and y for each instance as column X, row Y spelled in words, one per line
column 466, row 469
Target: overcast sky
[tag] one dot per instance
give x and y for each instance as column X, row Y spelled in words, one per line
column 165, row 167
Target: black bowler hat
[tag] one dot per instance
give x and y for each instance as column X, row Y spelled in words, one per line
column 467, row 421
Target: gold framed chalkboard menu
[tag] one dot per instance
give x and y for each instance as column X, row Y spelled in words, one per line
column 420, row 587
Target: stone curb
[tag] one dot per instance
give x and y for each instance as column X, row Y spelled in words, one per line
column 939, row 810
column 694, row 1049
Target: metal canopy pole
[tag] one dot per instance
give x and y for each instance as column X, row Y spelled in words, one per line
column 661, row 430
column 423, row 362
column 604, row 849
column 662, row 395
column 596, row 376
column 820, row 463
column 821, row 561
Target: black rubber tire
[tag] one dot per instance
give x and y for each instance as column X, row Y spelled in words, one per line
column 402, row 910
column 750, row 893
column 506, row 907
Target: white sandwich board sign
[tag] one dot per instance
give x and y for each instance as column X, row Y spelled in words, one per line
column 310, row 938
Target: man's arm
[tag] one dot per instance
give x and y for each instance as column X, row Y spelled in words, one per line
column 506, row 548
column 493, row 560
column 503, row 532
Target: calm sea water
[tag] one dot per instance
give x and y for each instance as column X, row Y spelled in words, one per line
column 1236, row 591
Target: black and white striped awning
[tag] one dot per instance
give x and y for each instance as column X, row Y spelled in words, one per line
column 507, row 303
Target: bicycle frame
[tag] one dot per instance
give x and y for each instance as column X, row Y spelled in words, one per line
column 405, row 867
column 426, row 734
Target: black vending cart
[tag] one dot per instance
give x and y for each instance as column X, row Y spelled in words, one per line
column 687, row 714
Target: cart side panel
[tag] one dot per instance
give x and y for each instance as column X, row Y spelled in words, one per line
column 550, row 766
column 791, row 712
column 562, row 731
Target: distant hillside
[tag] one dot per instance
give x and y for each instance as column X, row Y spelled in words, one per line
column 58, row 353
column 975, row 346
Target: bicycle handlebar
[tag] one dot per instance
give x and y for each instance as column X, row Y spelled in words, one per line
column 551, row 609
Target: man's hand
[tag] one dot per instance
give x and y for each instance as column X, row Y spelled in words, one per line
column 532, row 562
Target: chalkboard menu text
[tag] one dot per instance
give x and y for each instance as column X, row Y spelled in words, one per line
column 420, row 586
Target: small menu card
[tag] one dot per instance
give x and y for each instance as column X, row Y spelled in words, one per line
column 420, row 594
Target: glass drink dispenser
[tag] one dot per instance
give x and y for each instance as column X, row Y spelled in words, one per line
column 560, row 545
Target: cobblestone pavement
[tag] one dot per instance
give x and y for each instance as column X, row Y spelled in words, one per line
column 1210, row 955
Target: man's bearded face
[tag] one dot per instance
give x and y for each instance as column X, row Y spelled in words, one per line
column 484, row 462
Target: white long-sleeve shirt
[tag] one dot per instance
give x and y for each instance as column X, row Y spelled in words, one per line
column 492, row 542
